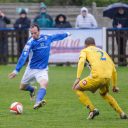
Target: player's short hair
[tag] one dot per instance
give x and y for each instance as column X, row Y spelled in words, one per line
column 35, row 25
column 89, row 41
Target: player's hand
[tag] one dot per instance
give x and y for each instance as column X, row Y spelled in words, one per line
column 12, row 75
column 75, row 83
column 115, row 89
column 69, row 34
column 2, row 14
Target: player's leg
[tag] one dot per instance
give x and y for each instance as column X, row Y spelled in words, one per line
column 111, row 100
column 86, row 85
column 25, row 83
column 30, row 88
column 42, row 79
column 84, row 99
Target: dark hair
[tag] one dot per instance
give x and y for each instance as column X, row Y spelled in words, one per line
column 89, row 41
column 58, row 16
column 23, row 12
column 35, row 25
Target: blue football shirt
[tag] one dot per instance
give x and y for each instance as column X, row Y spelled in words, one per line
column 38, row 51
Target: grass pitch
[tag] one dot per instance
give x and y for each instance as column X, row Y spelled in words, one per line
column 63, row 109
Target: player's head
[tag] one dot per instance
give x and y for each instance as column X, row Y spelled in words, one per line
column 35, row 31
column 89, row 42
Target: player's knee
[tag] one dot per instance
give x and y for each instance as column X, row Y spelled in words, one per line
column 77, row 87
column 22, row 87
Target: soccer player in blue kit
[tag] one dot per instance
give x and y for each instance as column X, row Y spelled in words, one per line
column 38, row 50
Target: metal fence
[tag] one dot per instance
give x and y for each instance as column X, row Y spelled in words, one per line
column 116, row 45
column 12, row 42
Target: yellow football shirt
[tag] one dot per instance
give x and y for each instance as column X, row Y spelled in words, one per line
column 100, row 63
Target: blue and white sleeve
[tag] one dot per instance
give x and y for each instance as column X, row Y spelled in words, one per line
column 23, row 57
column 57, row 37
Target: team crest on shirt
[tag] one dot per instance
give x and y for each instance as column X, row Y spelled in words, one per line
column 84, row 82
column 45, row 37
column 42, row 44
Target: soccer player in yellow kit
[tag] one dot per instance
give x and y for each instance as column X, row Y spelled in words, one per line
column 102, row 73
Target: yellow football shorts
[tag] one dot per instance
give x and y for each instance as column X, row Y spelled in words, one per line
column 92, row 84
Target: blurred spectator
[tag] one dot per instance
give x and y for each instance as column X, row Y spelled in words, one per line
column 22, row 25
column 120, row 20
column 4, row 20
column 61, row 22
column 85, row 19
column 3, row 38
column 43, row 19
column 23, row 22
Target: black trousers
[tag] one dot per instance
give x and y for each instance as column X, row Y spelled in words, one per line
column 21, row 37
column 3, row 48
column 121, row 39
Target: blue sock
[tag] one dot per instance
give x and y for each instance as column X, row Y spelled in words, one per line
column 40, row 94
column 29, row 88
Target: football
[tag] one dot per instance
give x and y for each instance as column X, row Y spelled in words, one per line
column 16, row 108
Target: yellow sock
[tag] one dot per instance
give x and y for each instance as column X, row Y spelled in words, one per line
column 85, row 100
column 113, row 103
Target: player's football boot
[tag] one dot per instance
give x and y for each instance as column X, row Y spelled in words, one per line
column 32, row 94
column 93, row 113
column 123, row 116
column 39, row 104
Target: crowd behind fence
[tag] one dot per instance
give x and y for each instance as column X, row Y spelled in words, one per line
column 116, row 45
column 9, row 47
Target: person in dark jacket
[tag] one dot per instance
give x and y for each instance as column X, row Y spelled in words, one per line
column 61, row 22
column 4, row 20
column 23, row 22
column 120, row 20
column 22, row 25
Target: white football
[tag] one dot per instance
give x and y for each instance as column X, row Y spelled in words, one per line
column 16, row 107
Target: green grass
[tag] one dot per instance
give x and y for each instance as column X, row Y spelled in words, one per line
column 63, row 109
